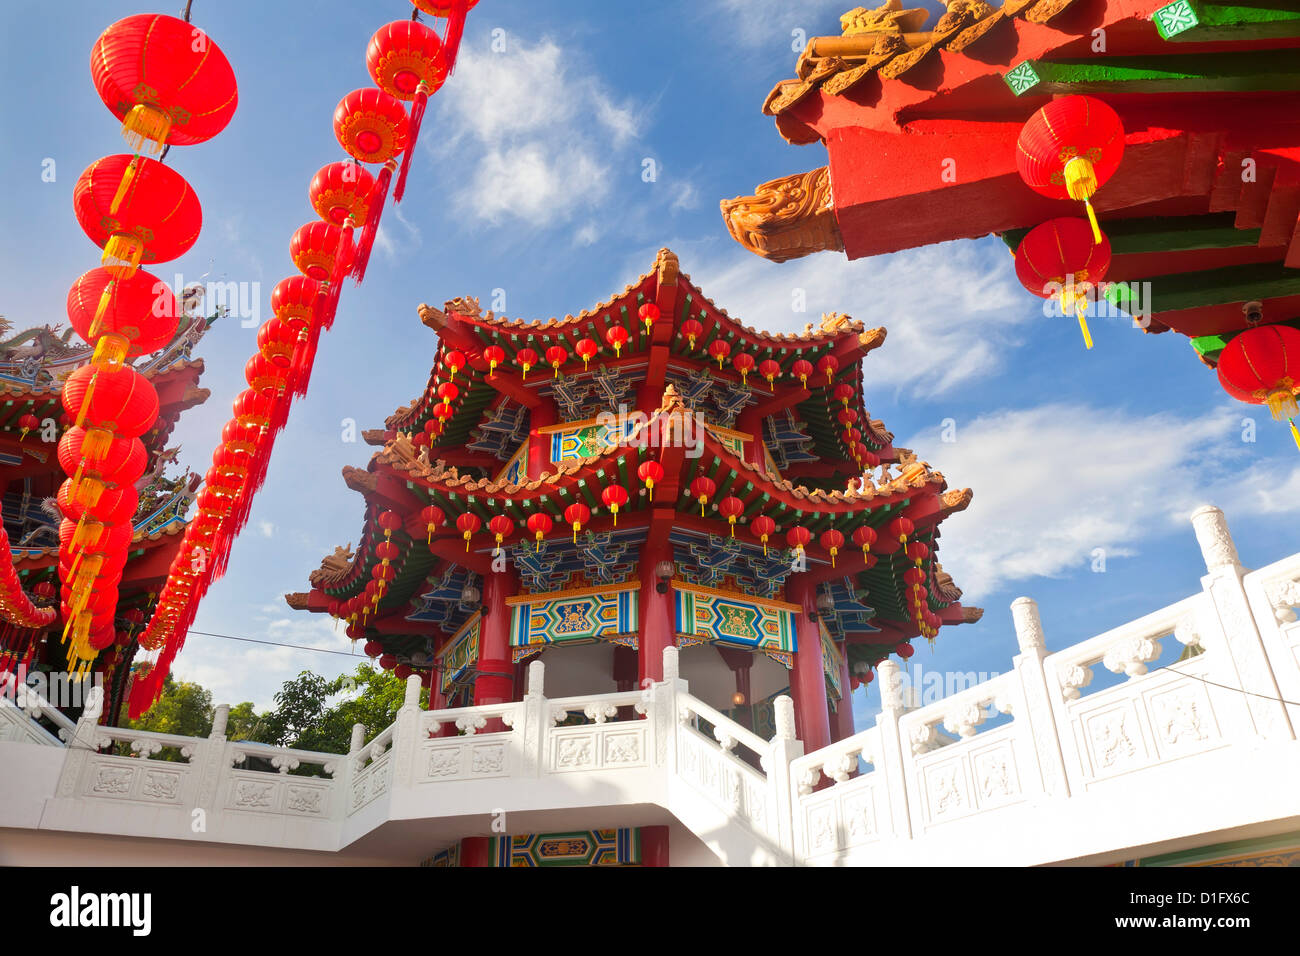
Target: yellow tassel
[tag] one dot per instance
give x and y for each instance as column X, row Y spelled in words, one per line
column 97, row 443
column 1083, row 327
column 145, row 125
column 110, row 351
column 85, row 401
column 1092, row 218
column 128, row 176
column 1282, row 404
column 122, row 254
column 1295, row 433
column 105, row 300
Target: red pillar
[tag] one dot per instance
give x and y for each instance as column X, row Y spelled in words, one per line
column 474, row 851
column 658, row 629
column 751, row 421
column 808, row 679
column 654, row 846
column 495, row 681
column 539, row 446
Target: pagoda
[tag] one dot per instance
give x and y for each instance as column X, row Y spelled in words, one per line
column 920, row 127
column 649, row 472
column 33, row 366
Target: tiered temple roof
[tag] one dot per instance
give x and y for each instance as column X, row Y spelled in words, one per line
column 519, row 445
column 1205, row 205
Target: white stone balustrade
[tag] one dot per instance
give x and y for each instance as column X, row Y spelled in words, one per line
column 1060, row 758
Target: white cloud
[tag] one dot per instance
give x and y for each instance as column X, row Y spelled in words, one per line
column 686, row 197
column 1055, row 482
column 546, row 136
column 951, row 311
column 266, row 528
column 587, row 235
column 771, row 22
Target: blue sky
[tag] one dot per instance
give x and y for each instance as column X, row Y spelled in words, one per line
column 529, row 180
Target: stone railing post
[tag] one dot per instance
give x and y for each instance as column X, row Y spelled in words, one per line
column 358, row 738
column 1039, row 718
column 82, row 743
column 661, row 709
column 536, row 724
column 212, row 762
column 890, row 682
column 406, row 733
column 1245, row 664
column 784, row 748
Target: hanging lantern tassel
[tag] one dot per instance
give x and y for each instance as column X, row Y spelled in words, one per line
column 1081, row 183
column 452, row 35
column 128, row 176
column 1080, row 306
column 377, row 199
column 1295, row 432
column 416, row 118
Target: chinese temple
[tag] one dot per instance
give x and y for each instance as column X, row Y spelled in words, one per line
column 645, row 474
column 34, row 365
column 925, row 131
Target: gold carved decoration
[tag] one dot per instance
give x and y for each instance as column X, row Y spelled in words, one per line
column 788, row 218
column 889, row 17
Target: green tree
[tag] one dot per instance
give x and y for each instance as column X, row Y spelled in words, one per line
column 184, row 708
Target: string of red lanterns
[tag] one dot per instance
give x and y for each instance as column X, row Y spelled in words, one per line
column 408, row 62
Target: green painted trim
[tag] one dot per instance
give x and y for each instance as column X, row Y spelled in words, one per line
column 1199, row 21
column 1021, row 78
column 1237, row 72
column 1190, row 290
column 1165, row 234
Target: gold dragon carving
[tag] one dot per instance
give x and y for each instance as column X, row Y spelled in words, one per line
column 788, row 218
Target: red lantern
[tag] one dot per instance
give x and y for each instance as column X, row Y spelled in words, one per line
column 372, row 649
column 293, row 301
column 315, row 249
column 277, row 341
column 719, row 349
column 27, row 423
column 448, row 392
column 122, row 401
column 540, row 524
column 904, row 650
column 577, row 514
column 165, row 79
column 900, row 528
column 153, row 217
column 1261, row 366
column 140, row 312
column 846, row 416
column 433, row 517
column 387, row 662
column 650, row 472
column 731, row 508
column 649, row 314
column 495, row 355
column 828, row 364
column 797, row 537
column 743, row 363
column 616, row 336
column 769, row 370
column 253, row 408
column 702, row 488
column 405, row 59
column 586, row 349
column 527, row 358
column 455, row 361
column 467, row 524
column 832, row 541
column 918, row 551
column 340, row 193
column 556, row 356
column 371, row 125
column 692, row 329
column 843, row 393
column 1059, row 258
column 802, row 368
column 864, row 538
column 265, row 376
column 762, row 527
column 501, row 526
column 1069, row 149
column 389, row 521
column 614, row 497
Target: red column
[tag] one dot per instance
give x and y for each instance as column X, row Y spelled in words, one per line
column 495, row 681
column 808, row 679
column 474, row 852
column 539, row 446
column 654, row 846
column 751, row 421
column 844, row 712
column 657, row 625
